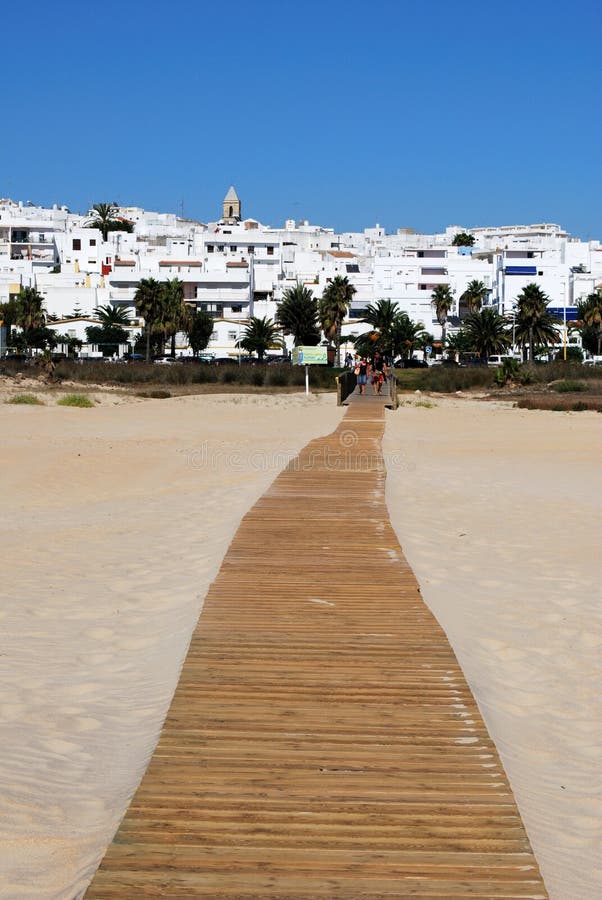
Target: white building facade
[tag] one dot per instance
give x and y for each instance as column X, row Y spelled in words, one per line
column 235, row 268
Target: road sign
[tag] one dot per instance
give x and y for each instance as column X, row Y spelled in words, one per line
column 428, row 349
column 310, row 356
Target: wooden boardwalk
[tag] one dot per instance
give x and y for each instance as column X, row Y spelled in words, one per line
column 322, row 741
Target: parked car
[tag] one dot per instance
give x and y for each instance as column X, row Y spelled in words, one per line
column 411, row 364
column 278, row 360
column 200, row 360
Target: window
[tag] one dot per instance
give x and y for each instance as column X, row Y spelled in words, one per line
column 210, row 248
column 232, row 248
column 220, row 248
column 91, row 262
column 231, row 335
column 77, row 244
column 93, row 242
column 251, row 250
column 270, row 251
column 236, row 308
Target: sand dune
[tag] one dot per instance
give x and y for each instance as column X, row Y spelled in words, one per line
column 115, row 520
column 498, row 511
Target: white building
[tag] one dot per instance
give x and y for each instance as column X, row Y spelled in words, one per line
column 236, row 267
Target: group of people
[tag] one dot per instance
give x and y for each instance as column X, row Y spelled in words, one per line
column 369, row 370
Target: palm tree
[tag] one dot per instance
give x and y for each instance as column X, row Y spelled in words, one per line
column 260, row 335
column 149, row 302
column 381, row 316
column 405, row 336
column 30, row 311
column 473, row 296
column 176, row 312
column 30, row 314
column 442, row 299
column 488, row 332
column 591, row 313
column 112, row 315
column 104, row 218
column 402, row 335
column 333, row 308
column 534, row 324
column 463, row 239
column 297, row 315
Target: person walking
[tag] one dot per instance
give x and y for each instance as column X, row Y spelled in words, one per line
column 379, row 374
column 361, row 370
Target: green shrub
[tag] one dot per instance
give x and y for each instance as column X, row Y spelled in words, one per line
column 568, row 386
column 573, row 354
column 280, row 376
column 258, row 377
column 80, row 400
column 580, row 406
column 26, row 400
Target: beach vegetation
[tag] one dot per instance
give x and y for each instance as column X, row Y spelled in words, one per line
column 568, row 386
column 25, row 400
column 154, row 395
column 79, row 400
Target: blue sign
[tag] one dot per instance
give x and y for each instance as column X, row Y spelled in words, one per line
column 428, row 349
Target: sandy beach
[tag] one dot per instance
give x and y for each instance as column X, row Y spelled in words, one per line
column 498, row 512
column 116, row 519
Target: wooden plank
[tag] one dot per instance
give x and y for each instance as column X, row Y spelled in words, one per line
column 322, row 741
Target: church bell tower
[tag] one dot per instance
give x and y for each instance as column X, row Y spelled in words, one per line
column 231, row 208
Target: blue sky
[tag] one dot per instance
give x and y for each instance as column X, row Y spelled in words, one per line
column 346, row 113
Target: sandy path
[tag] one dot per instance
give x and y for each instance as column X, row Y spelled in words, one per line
column 114, row 522
column 498, row 511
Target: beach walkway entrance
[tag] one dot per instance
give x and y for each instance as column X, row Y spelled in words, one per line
column 322, row 741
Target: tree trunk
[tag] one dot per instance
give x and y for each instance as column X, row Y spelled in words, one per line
column 531, row 345
column 173, row 345
column 148, row 341
column 338, row 346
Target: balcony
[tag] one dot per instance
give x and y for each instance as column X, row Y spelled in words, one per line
column 222, row 295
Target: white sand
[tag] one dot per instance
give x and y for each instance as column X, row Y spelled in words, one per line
column 114, row 522
column 499, row 512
